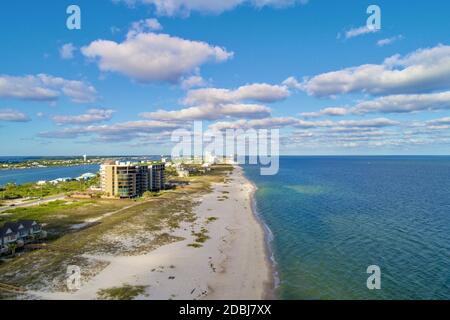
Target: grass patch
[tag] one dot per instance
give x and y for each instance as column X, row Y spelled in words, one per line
column 202, row 236
column 127, row 292
column 195, row 245
column 211, row 219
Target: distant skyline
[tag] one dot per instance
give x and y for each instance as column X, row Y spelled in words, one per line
column 139, row 69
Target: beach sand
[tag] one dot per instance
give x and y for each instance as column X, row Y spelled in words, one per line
column 232, row 264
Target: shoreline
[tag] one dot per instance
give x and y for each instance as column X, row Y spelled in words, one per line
column 271, row 293
column 233, row 263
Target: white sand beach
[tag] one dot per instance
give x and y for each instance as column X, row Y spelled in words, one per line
column 232, row 264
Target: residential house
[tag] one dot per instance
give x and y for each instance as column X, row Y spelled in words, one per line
column 7, row 236
column 19, row 233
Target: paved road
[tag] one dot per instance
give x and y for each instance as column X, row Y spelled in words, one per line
column 34, row 202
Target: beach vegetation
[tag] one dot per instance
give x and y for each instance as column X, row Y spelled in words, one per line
column 101, row 226
column 202, row 236
column 33, row 190
column 195, row 245
column 126, row 292
column 211, row 219
column 149, row 194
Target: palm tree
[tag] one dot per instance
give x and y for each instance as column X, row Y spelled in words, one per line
column 12, row 247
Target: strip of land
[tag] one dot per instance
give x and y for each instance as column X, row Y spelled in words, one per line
column 201, row 241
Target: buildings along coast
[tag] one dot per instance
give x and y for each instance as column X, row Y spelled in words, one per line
column 130, row 180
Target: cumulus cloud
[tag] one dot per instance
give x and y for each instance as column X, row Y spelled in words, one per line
column 293, row 83
column 267, row 123
column 66, row 51
column 13, row 115
column 334, row 112
column 402, row 103
column 405, row 103
column 260, row 92
column 124, row 131
column 144, row 25
column 270, row 123
column 438, row 122
column 192, row 82
column 331, row 139
column 151, row 57
column 185, row 7
column 211, row 112
column 91, row 116
column 214, row 103
column 424, row 70
column 43, row 87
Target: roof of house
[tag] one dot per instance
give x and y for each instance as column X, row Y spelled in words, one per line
column 28, row 223
column 5, row 231
column 14, row 226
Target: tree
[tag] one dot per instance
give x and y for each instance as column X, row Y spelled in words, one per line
column 12, row 247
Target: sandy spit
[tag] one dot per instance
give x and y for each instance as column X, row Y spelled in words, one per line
column 232, row 264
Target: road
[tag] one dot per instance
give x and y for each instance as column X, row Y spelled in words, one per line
column 34, row 202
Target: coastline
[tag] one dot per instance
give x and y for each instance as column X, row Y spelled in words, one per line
column 268, row 238
column 234, row 263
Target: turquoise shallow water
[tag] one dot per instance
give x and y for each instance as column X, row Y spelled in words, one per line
column 332, row 217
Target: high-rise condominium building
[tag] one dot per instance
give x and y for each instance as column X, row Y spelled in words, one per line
column 129, row 180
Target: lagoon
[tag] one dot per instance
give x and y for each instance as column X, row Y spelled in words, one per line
column 22, row 176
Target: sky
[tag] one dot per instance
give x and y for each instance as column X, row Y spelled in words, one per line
column 139, row 69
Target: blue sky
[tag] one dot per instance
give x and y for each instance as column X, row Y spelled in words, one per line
column 138, row 70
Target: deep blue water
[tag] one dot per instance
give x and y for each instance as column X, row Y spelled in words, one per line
column 332, row 217
column 36, row 174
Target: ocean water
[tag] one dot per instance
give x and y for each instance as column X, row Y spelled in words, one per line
column 332, row 217
column 22, row 176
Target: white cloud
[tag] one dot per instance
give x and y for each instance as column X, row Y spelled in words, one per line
column 260, row 92
column 144, row 25
column 293, row 83
column 13, row 116
column 66, row 51
column 153, row 24
column 185, row 7
column 124, row 131
column 193, row 81
column 424, row 70
column 44, row 87
column 149, row 57
column 367, row 123
column 114, row 29
column 405, row 103
column 211, row 112
column 402, row 103
column 355, row 32
column 439, row 122
column 91, row 116
column 269, row 123
column 388, row 41
column 214, row 103
column 334, row 112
